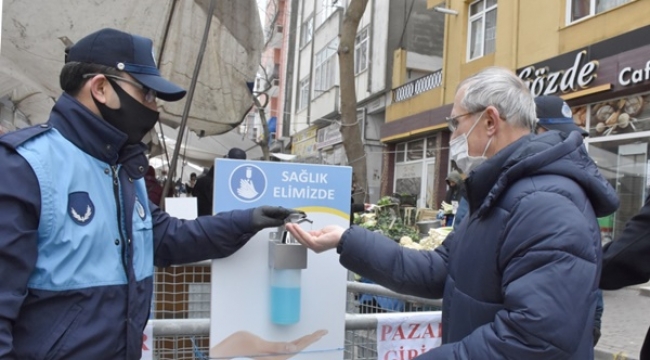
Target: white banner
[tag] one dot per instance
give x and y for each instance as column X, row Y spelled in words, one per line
column 403, row 336
column 147, row 342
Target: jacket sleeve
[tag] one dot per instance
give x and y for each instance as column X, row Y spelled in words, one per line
column 385, row 262
column 625, row 260
column 179, row 241
column 549, row 278
column 19, row 216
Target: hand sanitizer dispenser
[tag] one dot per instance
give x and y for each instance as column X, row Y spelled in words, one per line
column 287, row 258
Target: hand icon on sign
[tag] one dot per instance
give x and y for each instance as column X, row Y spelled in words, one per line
column 247, row 189
column 243, row 344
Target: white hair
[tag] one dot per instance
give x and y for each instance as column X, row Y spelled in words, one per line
column 501, row 88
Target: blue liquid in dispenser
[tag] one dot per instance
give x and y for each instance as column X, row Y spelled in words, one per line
column 285, row 305
column 285, row 296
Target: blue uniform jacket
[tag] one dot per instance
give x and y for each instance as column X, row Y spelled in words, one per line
column 519, row 277
column 74, row 293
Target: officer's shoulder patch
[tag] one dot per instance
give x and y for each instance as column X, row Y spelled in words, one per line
column 80, row 208
column 139, row 208
column 16, row 138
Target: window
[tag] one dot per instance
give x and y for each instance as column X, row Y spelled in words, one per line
column 580, row 9
column 247, row 124
column 431, row 147
column 414, row 150
column 482, row 28
column 326, row 9
column 325, row 67
column 399, row 152
column 303, row 96
column 361, row 51
column 306, row 31
column 415, row 162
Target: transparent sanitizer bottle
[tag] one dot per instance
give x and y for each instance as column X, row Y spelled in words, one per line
column 287, row 258
column 285, row 296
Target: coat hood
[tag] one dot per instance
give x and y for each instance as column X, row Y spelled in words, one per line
column 550, row 153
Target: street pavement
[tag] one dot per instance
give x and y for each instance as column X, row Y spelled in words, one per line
column 625, row 323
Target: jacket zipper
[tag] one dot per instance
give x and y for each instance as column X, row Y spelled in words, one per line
column 116, row 193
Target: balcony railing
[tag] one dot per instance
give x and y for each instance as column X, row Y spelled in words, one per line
column 417, row 86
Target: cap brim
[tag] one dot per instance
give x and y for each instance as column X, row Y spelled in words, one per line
column 565, row 128
column 165, row 89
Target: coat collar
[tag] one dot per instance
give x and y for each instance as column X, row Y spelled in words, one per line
column 480, row 181
column 550, row 153
column 96, row 137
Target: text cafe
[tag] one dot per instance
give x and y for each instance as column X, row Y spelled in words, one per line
column 607, row 85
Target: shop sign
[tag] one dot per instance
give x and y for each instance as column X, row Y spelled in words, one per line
column 329, row 135
column 630, row 76
column 305, row 148
column 309, row 132
column 544, row 82
column 376, row 105
column 304, row 142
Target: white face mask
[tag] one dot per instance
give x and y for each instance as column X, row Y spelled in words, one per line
column 459, row 151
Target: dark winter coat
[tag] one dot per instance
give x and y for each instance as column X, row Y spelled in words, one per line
column 203, row 191
column 626, row 260
column 519, row 277
column 77, row 282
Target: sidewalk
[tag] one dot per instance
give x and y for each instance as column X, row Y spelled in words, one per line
column 625, row 323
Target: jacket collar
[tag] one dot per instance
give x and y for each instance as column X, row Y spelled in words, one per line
column 482, row 179
column 550, row 153
column 96, row 137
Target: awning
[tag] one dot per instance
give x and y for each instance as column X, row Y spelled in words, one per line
column 34, row 34
column 203, row 151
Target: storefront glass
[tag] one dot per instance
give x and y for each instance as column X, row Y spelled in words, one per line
column 619, row 139
column 621, row 116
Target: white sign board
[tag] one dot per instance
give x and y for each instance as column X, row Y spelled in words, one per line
column 309, row 321
column 147, row 343
column 181, row 207
column 405, row 336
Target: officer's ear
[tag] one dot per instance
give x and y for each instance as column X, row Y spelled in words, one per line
column 100, row 88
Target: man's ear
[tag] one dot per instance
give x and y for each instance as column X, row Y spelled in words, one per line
column 98, row 87
column 493, row 120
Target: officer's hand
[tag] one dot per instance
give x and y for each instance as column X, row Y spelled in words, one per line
column 270, row 216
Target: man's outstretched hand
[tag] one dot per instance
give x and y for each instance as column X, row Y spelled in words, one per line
column 317, row 240
column 270, row 216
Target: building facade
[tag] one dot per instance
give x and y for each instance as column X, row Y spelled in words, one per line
column 271, row 82
column 315, row 116
column 577, row 49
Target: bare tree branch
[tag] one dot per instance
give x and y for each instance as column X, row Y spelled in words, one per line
column 350, row 129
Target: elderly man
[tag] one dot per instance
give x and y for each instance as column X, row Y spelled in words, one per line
column 519, row 276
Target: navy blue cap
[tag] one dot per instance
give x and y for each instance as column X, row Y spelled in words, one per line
column 129, row 53
column 236, row 153
column 553, row 113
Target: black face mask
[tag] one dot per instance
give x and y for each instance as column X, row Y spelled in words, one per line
column 132, row 118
